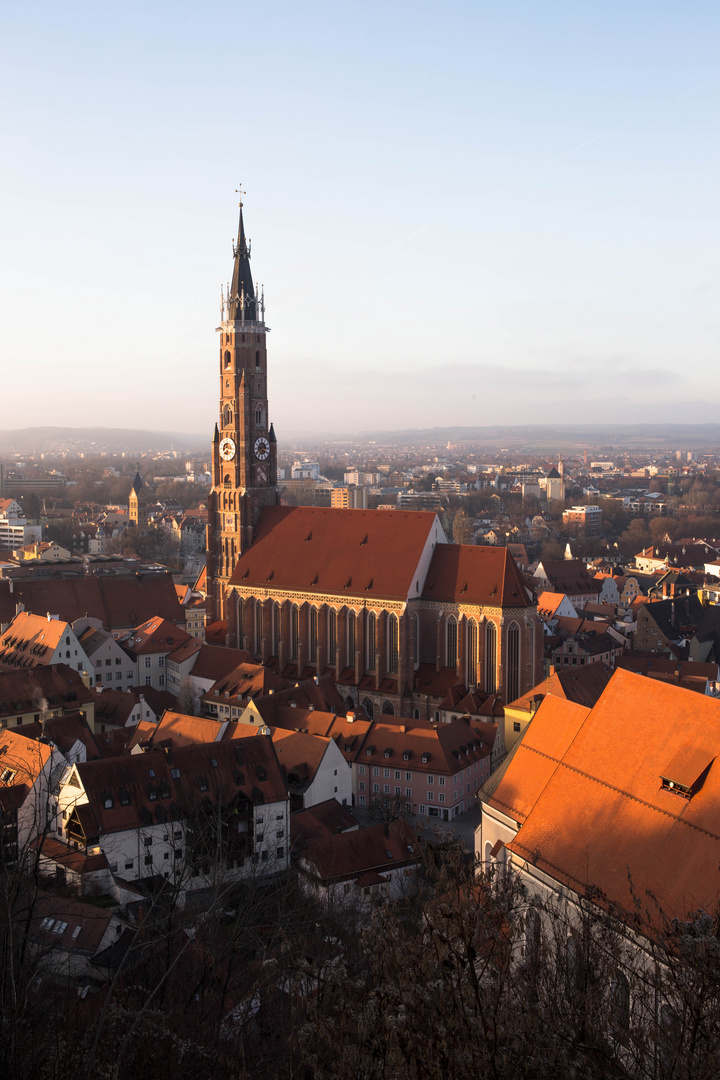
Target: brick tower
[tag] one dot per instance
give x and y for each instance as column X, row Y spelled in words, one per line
column 244, row 449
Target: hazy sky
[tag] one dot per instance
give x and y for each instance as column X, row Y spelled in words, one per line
column 463, row 213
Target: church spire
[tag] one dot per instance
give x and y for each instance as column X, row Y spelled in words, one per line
column 242, row 306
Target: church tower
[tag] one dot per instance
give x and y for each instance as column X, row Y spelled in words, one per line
column 244, row 450
column 137, row 506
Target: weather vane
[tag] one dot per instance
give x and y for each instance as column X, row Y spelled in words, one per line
column 240, row 192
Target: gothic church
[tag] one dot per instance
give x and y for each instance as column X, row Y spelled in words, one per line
column 403, row 621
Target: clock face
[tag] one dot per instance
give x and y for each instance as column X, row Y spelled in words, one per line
column 262, row 449
column 227, row 449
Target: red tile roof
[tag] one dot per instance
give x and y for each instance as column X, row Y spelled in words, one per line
column 326, row 819
column 353, row 553
column 587, row 788
column 379, row 848
column 155, row 635
column 465, row 574
column 118, row 601
column 249, row 768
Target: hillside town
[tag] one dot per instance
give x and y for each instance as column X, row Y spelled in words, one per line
column 288, row 729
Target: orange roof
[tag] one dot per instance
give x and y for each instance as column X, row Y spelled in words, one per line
column 549, row 602
column 466, row 574
column 587, row 787
column 354, row 553
column 179, row 729
column 31, row 639
column 156, row 635
column 21, row 760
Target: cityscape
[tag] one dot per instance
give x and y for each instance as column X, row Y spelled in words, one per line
column 360, row 663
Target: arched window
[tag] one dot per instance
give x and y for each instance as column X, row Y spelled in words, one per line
column 276, row 628
column 512, row 690
column 257, row 358
column 227, row 416
column 351, row 638
column 471, row 650
column 416, row 638
column 227, row 481
column 259, row 416
column 228, row 359
column 393, row 644
column 451, row 637
column 416, row 714
column 331, row 634
column 294, row 631
column 490, row 658
column 312, row 633
column 258, row 626
column 368, row 707
column 531, row 646
column 370, row 641
column 387, row 708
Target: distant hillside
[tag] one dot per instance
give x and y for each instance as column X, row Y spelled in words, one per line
column 53, row 440
column 628, row 436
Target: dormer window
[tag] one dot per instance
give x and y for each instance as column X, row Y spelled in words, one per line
column 686, row 773
column 370, row 751
column 108, row 802
column 388, row 752
column 425, row 758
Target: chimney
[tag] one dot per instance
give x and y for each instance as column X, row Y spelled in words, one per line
column 316, row 680
column 350, row 717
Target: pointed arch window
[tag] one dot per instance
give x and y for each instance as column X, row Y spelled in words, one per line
column 228, row 359
column 471, row 650
column 490, row 673
column 258, row 626
column 370, row 641
column 513, row 662
column 351, row 638
column 331, row 634
column 451, row 640
column 260, row 416
column 276, row 628
column 393, row 644
column 294, row 631
column 312, row 633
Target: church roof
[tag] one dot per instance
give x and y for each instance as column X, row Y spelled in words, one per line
column 356, row 553
column 137, row 483
column 467, row 574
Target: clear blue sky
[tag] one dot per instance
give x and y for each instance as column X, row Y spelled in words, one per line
column 470, row 213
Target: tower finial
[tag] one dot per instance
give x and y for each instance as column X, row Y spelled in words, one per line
column 240, row 192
